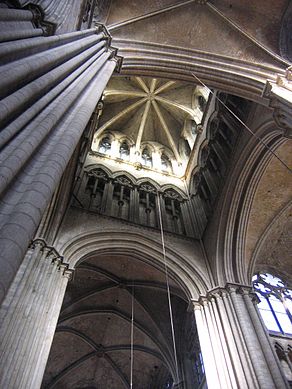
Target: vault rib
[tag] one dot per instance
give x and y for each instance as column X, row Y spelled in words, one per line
column 167, row 132
column 124, row 93
column 142, row 125
column 113, row 347
column 120, row 115
column 164, row 87
column 142, row 84
column 153, row 85
column 124, row 316
column 162, row 100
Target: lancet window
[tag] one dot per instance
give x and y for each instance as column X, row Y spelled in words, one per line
column 147, row 205
column 173, row 211
column 202, row 103
column 121, row 197
column 95, row 186
column 105, row 145
column 165, row 164
column 199, row 370
column 146, row 157
column 124, row 150
column 275, row 304
column 187, row 148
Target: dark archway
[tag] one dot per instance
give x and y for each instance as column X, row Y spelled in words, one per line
column 92, row 343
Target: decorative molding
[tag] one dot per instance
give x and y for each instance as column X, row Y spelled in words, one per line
column 53, row 256
column 220, row 291
column 279, row 93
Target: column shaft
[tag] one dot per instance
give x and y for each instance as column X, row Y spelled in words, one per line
column 207, row 352
column 29, row 318
column 48, row 99
column 270, row 355
column 235, row 347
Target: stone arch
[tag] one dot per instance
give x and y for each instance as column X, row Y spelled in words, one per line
column 125, row 174
column 272, row 232
column 188, row 275
column 248, row 170
column 212, row 125
column 179, row 63
column 203, row 153
column 103, row 168
column 146, row 180
column 180, row 192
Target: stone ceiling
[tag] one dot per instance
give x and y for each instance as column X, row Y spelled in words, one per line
column 151, row 110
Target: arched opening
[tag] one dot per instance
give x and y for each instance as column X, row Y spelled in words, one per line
column 124, row 150
column 166, row 164
column 112, row 294
column 275, row 304
column 105, row 145
column 146, row 157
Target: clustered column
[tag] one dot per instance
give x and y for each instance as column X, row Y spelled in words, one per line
column 235, row 346
column 49, row 88
column 29, row 317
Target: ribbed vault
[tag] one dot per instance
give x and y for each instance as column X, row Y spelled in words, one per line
column 152, row 110
column 92, row 343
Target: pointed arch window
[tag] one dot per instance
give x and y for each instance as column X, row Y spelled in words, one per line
column 146, row 157
column 105, row 145
column 202, row 103
column 166, row 164
column 187, row 148
column 275, row 304
column 124, row 150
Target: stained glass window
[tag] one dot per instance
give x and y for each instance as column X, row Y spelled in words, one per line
column 275, row 304
column 165, row 164
column 124, row 150
column 146, row 158
column 105, row 145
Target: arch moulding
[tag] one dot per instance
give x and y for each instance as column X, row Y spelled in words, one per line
column 192, row 280
column 237, row 203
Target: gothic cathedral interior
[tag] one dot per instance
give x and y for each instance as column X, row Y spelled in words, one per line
column 145, row 194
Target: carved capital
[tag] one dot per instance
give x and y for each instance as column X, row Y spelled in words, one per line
column 52, row 255
column 279, row 93
column 39, row 22
column 100, row 28
column 196, row 305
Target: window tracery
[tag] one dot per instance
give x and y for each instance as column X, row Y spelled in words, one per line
column 173, row 202
column 275, row 304
column 147, row 205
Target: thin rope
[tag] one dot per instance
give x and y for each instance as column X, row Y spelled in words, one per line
column 244, row 125
column 168, row 289
column 132, row 338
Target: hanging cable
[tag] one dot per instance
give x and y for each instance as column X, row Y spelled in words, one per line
column 244, row 125
column 132, row 338
column 167, row 286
